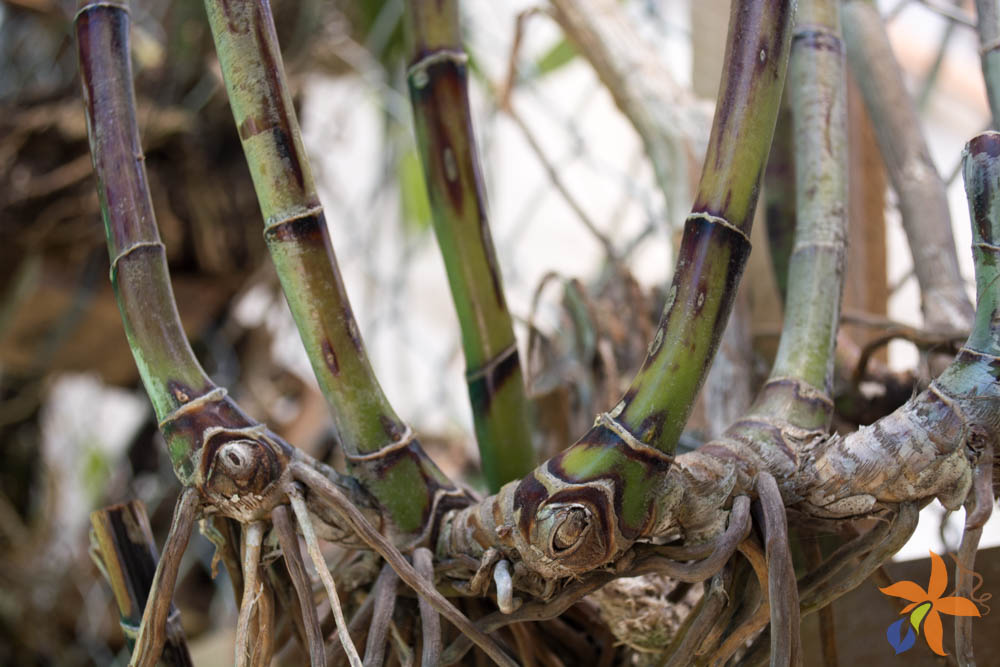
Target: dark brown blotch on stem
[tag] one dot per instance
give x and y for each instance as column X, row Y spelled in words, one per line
column 275, row 115
column 483, row 387
column 330, row 358
column 819, row 40
column 529, row 494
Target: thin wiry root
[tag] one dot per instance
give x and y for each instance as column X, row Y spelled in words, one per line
column 752, row 624
column 964, row 575
column 312, row 546
column 266, row 630
column 827, row 627
column 982, row 489
column 782, row 589
column 357, row 628
column 339, row 503
column 253, row 537
column 979, row 508
column 842, row 557
column 724, row 547
column 153, row 630
column 430, row 622
column 899, row 532
column 403, row 651
column 384, row 594
column 289, row 543
column 741, row 595
column 700, row 621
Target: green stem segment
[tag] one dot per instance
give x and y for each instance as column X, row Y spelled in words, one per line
column 818, row 96
column 181, row 392
column 438, row 78
column 716, row 245
column 380, row 448
column 590, row 503
column 982, row 184
column 988, row 23
column 122, row 545
column 779, row 195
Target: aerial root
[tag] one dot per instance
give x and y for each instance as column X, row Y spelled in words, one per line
column 827, row 627
column 312, row 546
column 289, row 543
column 782, row 589
column 358, row 627
column 842, row 557
column 700, row 621
column 253, row 537
column 430, row 622
column 328, row 493
column 723, row 549
column 384, row 594
column 899, row 531
column 982, row 488
column 266, row 631
column 743, row 596
column 756, row 616
column 153, row 629
column 979, row 507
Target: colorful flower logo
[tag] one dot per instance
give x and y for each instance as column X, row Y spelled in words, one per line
column 925, row 608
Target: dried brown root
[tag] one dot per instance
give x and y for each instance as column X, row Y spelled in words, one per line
column 289, row 543
column 978, row 508
column 253, row 538
column 357, row 628
column 152, row 631
column 842, row 557
column 899, row 532
column 701, row 621
column 339, row 503
column 430, row 622
column 782, row 587
column 312, row 546
column 384, row 594
column 263, row 649
column 827, row 627
column 754, row 616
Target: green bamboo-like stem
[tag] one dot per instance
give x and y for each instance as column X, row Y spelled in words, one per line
column 380, row 448
column 988, row 24
column 175, row 382
column 123, row 543
column 982, row 183
column 922, row 199
column 779, row 195
column 818, row 94
column 438, row 80
column 592, row 501
column 715, row 245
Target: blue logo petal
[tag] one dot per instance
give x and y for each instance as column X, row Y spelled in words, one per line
column 900, row 643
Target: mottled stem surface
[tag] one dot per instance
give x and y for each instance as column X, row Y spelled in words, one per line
column 438, row 80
